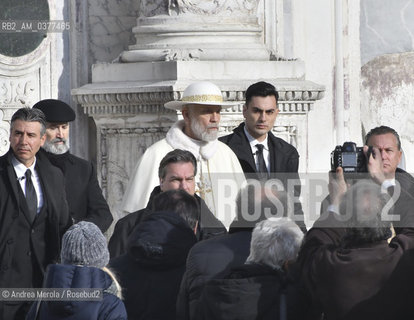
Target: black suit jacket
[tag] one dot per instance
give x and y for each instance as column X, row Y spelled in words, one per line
column 83, row 193
column 283, row 156
column 284, row 162
column 21, row 237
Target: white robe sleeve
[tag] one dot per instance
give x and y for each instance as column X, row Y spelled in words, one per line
column 145, row 177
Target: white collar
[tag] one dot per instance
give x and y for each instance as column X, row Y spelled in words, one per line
column 20, row 168
column 254, row 141
column 177, row 139
column 386, row 184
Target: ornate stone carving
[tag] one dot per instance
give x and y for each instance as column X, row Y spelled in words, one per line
column 297, row 101
column 150, row 8
column 18, row 92
column 113, row 166
column 183, row 54
column 4, row 134
column 218, row 7
column 197, row 30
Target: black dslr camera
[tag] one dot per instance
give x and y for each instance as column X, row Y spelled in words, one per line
column 350, row 157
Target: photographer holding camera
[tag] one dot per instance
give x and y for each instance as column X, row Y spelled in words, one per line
column 382, row 156
column 346, row 259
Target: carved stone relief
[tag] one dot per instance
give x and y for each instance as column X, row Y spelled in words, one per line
column 20, row 92
column 4, row 134
column 115, row 167
column 25, row 62
column 15, row 93
column 150, row 8
column 220, row 7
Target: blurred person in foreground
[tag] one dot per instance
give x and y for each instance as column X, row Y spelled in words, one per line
column 346, row 258
column 262, row 288
column 214, row 258
column 84, row 257
column 150, row 272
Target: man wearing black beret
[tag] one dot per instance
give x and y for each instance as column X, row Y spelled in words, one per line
column 83, row 192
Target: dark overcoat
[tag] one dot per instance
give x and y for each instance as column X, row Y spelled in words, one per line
column 253, row 291
column 207, row 260
column 208, row 227
column 110, row 307
column 27, row 246
column 83, row 193
column 340, row 277
column 150, row 273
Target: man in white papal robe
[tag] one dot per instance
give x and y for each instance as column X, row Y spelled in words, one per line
column 219, row 176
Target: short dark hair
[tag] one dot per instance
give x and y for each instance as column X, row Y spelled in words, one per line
column 383, row 130
column 30, row 115
column 180, row 202
column 261, row 89
column 175, row 156
column 364, row 202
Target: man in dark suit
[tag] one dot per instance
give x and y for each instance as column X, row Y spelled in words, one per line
column 83, row 192
column 260, row 112
column 386, row 144
column 33, row 210
column 261, row 154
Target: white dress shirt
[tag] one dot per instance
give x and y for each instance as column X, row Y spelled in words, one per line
column 20, row 170
column 253, row 148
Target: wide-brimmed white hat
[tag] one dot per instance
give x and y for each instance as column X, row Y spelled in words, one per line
column 203, row 92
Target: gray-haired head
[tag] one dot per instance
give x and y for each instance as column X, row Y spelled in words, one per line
column 259, row 200
column 275, row 241
column 363, row 205
column 30, row 115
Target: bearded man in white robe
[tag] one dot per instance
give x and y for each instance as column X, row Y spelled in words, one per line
column 220, row 175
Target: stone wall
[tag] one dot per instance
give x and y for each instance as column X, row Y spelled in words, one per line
column 388, row 98
column 386, row 27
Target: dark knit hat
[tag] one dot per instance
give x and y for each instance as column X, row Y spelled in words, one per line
column 56, row 110
column 84, row 244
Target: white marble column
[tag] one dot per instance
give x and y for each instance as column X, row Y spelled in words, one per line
column 197, row 30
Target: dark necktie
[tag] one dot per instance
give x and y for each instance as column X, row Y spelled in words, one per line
column 31, row 197
column 263, row 173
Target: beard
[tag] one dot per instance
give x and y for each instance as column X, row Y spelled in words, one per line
column 52, row 146
column 202, row 133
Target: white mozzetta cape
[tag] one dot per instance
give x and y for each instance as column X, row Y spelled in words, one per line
column 219, row 174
